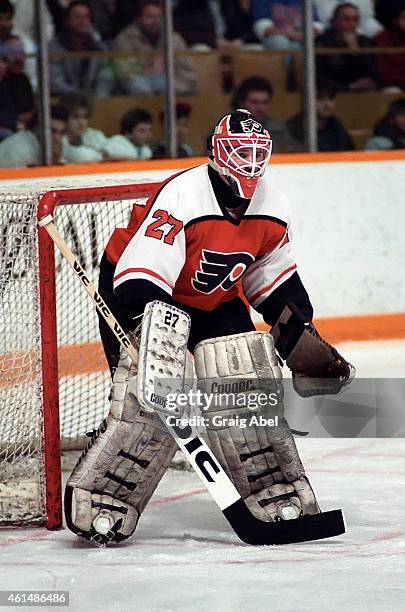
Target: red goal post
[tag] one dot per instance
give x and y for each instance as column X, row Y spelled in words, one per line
column 54, row 377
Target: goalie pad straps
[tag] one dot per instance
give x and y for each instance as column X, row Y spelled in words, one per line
column 262, row 460
column 317, row 367
column 122, row 466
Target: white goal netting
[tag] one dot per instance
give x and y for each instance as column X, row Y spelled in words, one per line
column 82, row 370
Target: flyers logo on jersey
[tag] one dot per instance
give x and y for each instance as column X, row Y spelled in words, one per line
column 220, row 270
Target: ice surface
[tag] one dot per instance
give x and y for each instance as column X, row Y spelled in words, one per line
column 184, row 556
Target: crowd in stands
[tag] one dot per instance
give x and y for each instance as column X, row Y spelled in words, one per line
column 183, row 112
column 135, row 138
column 331, row 133
column 391, row 67
column 351, row 71
column 22, row 149
column 74, row 142
column 91, row 76
column 145, row 72
column 131, row 31
column 389, row 132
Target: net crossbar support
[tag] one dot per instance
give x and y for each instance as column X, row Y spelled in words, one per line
column 54, row 377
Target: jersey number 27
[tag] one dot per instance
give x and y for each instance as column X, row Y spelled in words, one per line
column 164, row 218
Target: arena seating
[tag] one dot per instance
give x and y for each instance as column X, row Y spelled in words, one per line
column 218, row 75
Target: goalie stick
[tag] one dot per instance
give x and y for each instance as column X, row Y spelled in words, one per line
column 250, row 529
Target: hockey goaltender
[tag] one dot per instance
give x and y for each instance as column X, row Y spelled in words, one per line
column 206, row 233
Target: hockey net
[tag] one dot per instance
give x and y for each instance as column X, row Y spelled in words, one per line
column 54, row 380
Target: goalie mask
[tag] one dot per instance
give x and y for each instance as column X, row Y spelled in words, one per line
column 239, row 149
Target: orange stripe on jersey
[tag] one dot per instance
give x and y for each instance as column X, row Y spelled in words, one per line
column 265, row 289
column 142, row 271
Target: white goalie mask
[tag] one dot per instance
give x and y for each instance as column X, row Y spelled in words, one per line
column 240, row 151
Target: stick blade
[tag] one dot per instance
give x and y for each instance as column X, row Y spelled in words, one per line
column 252, row 530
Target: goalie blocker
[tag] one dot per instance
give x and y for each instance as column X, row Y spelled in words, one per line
column 117, row 474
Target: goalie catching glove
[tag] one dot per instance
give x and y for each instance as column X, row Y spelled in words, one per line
column 317, row 367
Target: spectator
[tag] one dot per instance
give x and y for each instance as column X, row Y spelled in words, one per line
column 144, row 37
column 14, row 51
column 23, row 149
column 238, row 22
column 389, row 133
column 391, row 67
column 16, row 96
column 57, row 10
column 8, row 117
column 347, row 72
column 332, row 135
column 6, row 20
column 110, row 17
column 183, row 112
column 203, row 23
column 89, row 76
column 135, row 138
column 195, row 22
column 7, row 30
column 255, row 94
column 368, row 24
column 278, row 24
column 81, row 143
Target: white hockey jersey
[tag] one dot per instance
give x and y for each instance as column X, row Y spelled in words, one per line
column 185, row 243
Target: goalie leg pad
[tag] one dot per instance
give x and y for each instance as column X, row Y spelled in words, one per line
column 262, row 461
column 118, row 472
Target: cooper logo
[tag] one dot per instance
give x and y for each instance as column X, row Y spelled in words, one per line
column 158, row 399
column 232, row 387
column 220, row 270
